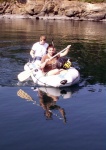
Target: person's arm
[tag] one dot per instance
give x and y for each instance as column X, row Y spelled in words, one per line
column 66, row 51
column 33, row 50
column 32, row 53
column 43, row 62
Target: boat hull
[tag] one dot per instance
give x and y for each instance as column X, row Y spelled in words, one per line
column 66, row 78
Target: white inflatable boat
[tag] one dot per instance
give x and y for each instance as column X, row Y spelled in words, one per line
column 67, row 77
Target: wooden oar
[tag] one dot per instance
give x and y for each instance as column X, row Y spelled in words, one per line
column 24, row 95
column 24, row 75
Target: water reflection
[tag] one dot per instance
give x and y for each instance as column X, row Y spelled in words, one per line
column 48, row 98
column 84, row 30
column 48, row 103
column 21, row 34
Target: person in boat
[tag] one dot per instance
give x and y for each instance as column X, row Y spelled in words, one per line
column 39, row 49
column 48, row 65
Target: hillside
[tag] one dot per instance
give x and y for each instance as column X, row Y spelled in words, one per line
column 94, row 10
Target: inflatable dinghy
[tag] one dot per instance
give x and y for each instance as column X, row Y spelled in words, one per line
column 67, row 77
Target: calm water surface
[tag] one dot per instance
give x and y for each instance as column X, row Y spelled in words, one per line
column 67, row 118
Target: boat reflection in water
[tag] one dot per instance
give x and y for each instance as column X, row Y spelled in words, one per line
column 48, row 96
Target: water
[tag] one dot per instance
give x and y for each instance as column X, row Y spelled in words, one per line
column 75, row 119
column 88, row 40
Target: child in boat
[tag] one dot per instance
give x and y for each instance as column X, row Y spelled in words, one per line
column 48, row 65
column 39, row 48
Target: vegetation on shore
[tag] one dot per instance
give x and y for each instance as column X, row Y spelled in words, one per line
column 89, row 1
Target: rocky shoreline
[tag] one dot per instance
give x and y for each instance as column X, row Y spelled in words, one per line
column 54, row 10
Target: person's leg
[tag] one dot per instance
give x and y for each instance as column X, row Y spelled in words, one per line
column 54, row 72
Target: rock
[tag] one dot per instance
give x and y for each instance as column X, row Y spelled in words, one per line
column 33, row 7
column 91, row 8
column 56, row 9
column 72, row 12
column 96, row 16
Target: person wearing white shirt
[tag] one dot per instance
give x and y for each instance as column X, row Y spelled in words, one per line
column 39, row 48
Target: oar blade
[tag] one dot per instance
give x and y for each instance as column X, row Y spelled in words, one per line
column 23, row 76
column 24, row 95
